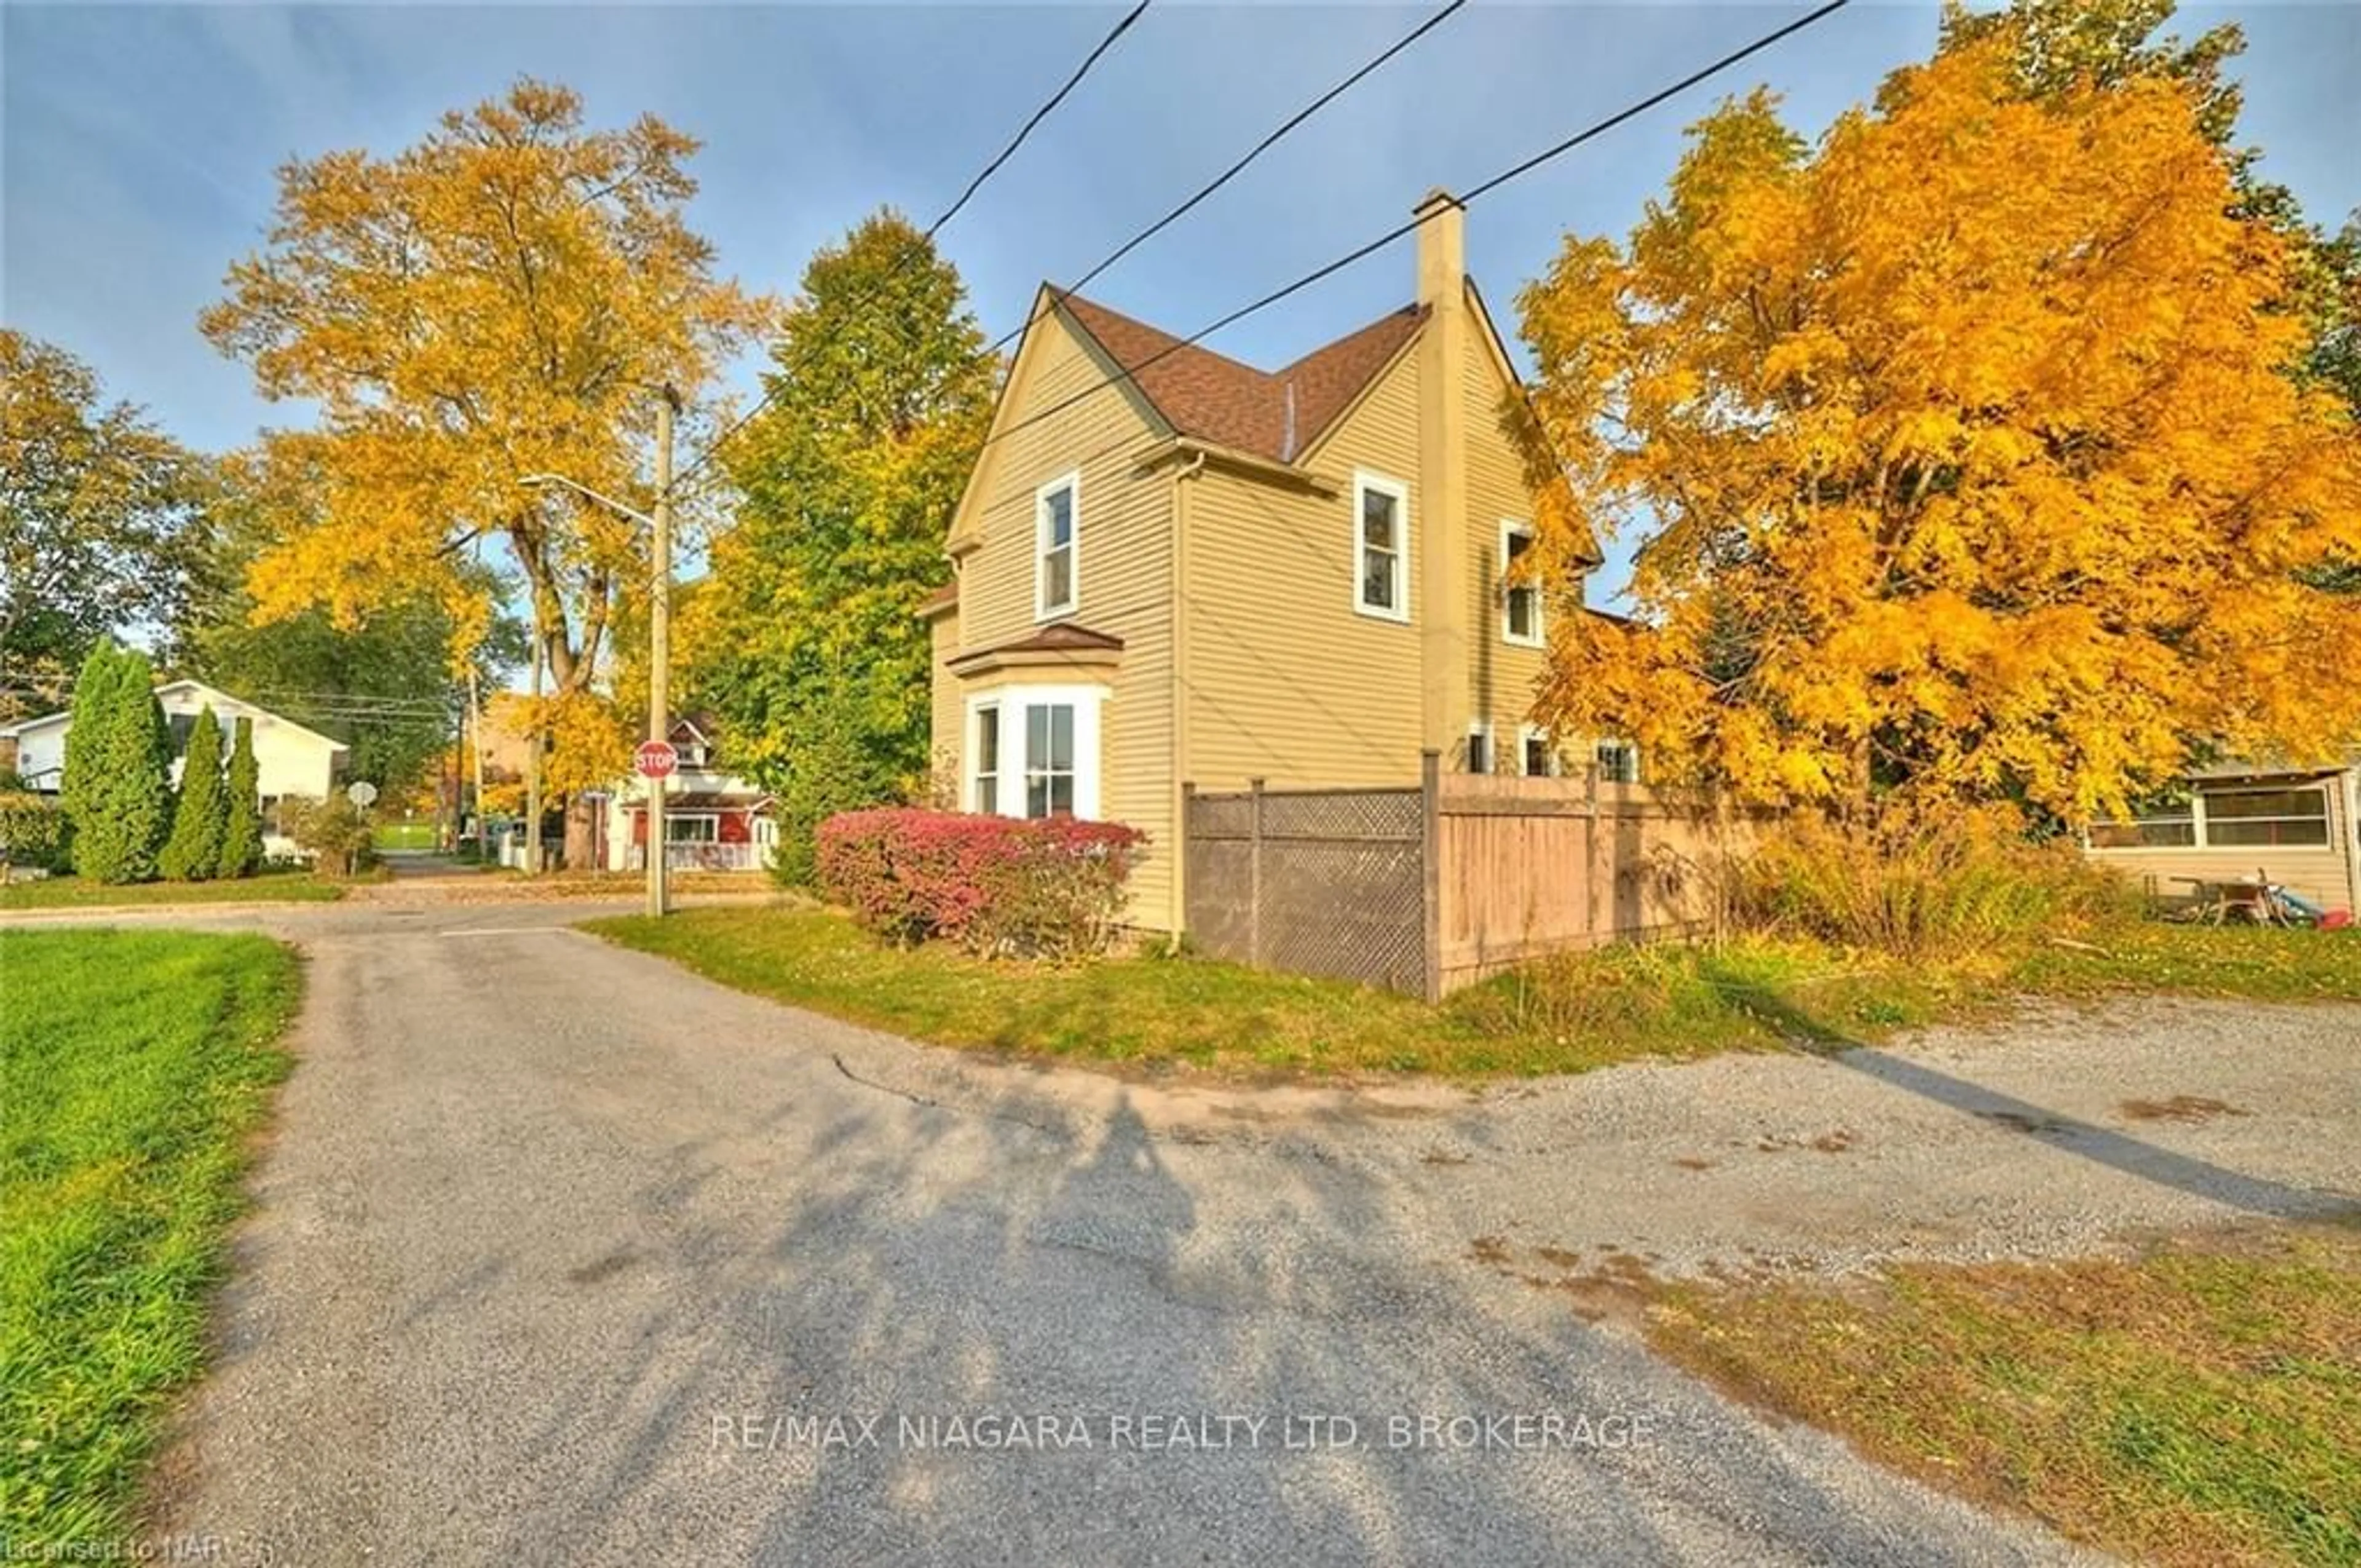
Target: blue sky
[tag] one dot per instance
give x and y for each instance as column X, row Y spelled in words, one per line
column 141, row 141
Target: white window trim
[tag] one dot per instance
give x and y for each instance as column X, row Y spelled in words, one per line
column 1526, row 735
column 1364, row 481
column 1509, row 529
column 969, row 777
column 1639, row 770
column 1482, row 728
column 1012, row 702
column 2201, row 827
column 1072, row 483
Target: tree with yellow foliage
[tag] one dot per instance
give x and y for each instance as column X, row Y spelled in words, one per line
column 507, row 297
column 1964, row 453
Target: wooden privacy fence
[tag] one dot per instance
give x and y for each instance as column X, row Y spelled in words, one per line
column 1428, row 889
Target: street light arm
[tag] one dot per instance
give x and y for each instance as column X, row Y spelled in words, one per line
column 543, row 481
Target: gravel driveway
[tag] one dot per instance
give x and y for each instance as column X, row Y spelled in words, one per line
column 562, row 1255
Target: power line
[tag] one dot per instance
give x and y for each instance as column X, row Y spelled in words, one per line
column 1588, row 133
column 1267, row 142
column 927, row 238
column 1039, row 115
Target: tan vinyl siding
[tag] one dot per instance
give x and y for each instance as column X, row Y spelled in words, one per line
column 1283, row 679
column 1124, row 540
column 944, row 758
column 2321, row 874
column 1505, row 674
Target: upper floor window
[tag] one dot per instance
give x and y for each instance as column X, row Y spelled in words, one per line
column 1381, row 547
column 1056, row 557
column 1537, row 758
column 1521, row 598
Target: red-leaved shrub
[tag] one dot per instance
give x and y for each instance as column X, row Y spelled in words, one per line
column 1049, row 888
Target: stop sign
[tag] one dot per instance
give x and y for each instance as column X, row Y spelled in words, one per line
column 656, row 759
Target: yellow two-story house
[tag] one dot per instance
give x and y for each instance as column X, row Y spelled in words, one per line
column 1175, row 568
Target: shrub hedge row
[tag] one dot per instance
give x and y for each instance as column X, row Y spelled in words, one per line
column 1050, row 888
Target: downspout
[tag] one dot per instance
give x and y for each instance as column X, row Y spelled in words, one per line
column 1177, row 571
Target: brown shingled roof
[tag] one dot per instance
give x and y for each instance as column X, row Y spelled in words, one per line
column 1058, row 637
column 1216, row 398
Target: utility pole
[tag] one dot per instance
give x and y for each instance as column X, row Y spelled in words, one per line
column 659, row 529
column 533, row 760
column 476, row 744
column 660, row 647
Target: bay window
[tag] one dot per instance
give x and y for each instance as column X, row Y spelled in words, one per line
column 1044, row 742
column 984, row 776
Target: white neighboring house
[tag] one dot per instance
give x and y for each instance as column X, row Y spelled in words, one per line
column 713, row 820
column 290, row 760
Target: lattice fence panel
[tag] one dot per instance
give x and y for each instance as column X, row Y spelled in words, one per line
column 1221, row 815
column 1350, row 910
column 1363, row 814
column 1221, row 904
column 1342, row 884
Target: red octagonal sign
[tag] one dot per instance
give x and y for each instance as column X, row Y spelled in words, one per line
column 657, row 759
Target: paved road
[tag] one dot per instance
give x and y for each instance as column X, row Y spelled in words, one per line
column 562, row 1255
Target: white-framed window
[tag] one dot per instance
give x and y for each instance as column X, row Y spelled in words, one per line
column 1521, row 599
column 1618, row 761
column 1380, row 547
column 983, row 766
column 1480, row 748
column 1043, row 746
column 1536, row 757
column 691, row 829
column 2292, row 817
column 1049, row 759
column 2164, row 825
column 1057, row 547
column 2239, row 817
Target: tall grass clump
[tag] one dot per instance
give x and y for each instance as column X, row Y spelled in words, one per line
column 1919, row 881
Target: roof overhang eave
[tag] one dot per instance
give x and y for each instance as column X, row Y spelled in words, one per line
column 1183, row 448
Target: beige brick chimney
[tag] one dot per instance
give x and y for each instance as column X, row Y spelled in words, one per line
column 1439, row 528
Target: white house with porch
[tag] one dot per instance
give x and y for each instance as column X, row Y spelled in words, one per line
column 714, row 821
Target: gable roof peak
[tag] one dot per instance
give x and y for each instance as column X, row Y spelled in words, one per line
column 1214, row 397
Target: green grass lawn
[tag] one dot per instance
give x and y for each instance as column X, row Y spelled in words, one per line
column 74, row 893
column 2200, row 1404
column 1567, row 1015
column 1134, row 1010
column 403, row 835
column 136, row 1064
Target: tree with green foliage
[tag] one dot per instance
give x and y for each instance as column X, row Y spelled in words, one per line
column 103, row 512
column 810, row 646
column 201, row 819
column 241, row 845
column 383, row 683
column 117, row 792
